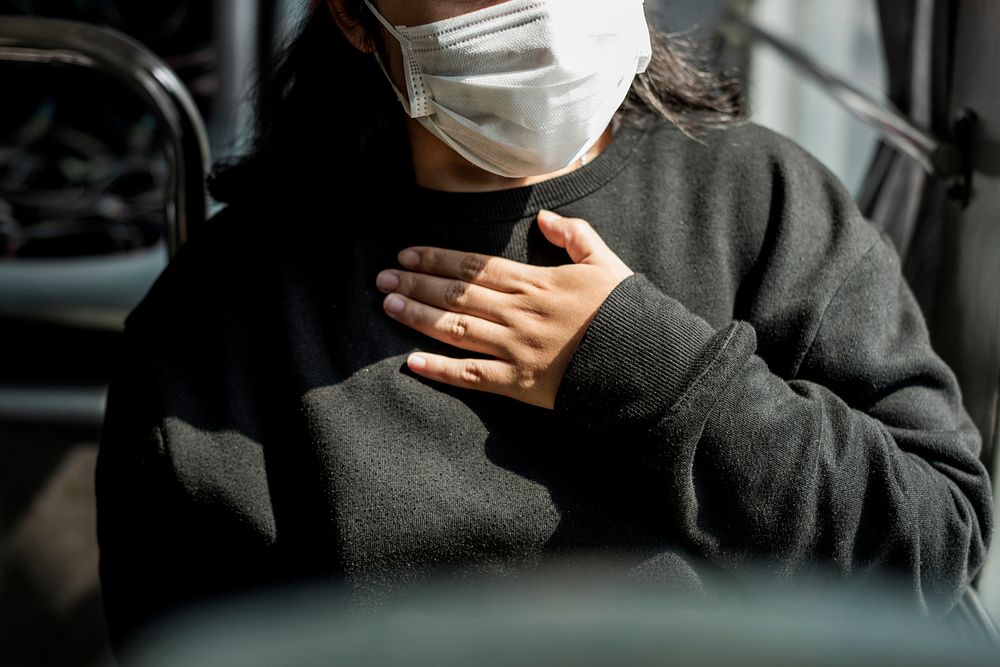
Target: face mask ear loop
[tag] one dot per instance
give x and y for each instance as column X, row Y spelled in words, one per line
column 399, row 94
column 388, row 26
column 411, row 73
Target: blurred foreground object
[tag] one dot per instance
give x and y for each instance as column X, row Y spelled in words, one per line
column 579, row 623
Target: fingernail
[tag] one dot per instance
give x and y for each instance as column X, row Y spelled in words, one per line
column 387, row 281
column 394, row 304
column 548, row 216
column 417, row 362
column 409, row 258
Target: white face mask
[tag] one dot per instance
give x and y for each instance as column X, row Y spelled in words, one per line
column 526, row 87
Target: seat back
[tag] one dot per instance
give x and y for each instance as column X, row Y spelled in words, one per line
column 42, row 40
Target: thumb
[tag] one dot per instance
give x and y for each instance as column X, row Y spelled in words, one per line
column 580, row 240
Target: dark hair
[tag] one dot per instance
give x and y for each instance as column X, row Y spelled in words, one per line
column 325, row 110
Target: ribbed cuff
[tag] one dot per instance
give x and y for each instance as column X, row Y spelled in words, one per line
column 639, row 354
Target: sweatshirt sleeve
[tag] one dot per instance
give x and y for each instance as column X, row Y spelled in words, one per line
column 137, row 526
column 163, row 545
column 864, row 460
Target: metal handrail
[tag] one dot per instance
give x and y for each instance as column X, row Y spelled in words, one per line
column 938, row 157
column 41, row 40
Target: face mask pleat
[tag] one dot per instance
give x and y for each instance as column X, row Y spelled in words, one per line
column 484, row 23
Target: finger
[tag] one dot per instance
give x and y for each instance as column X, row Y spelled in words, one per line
column 449, row 294
column 581, row 241
column 459, row 329
column 496, row 377
column 494, row 272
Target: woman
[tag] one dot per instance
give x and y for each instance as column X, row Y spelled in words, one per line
column 390, row 357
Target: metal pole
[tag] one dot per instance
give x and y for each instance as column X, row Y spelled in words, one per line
column 937, row 157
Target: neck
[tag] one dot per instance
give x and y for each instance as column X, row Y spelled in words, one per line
column 437, row 167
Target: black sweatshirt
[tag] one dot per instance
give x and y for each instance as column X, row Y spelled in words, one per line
column 761, row 390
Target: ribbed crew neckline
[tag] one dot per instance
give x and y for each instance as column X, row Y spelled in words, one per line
column 518, row 203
